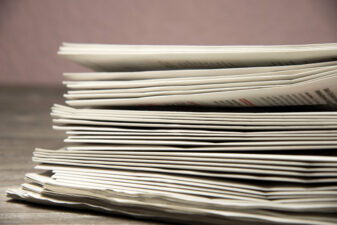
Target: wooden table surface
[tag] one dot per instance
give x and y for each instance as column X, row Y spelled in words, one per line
column 26, row 124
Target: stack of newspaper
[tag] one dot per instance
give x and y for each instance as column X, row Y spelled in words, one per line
column 170, row 75
column 201, row 165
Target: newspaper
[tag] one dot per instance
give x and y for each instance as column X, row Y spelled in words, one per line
column 125, row 199
column 280, row 77
column 138, row 147
column 195, row 165
column 128, row 58
column 199, row 75
column 141, row 75
column 320, row 91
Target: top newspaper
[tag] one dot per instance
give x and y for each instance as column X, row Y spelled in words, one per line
column 202, row 75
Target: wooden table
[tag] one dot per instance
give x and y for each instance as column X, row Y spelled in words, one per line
column 26, row 124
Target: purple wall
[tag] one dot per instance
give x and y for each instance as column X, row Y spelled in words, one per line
column 32, row 30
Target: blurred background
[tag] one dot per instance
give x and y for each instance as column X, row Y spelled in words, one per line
column 32, row 30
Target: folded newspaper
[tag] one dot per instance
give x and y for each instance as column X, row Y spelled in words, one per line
column 202, row 75
column 195, row 165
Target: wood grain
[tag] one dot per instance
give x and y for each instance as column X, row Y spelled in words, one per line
column 26, row 124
